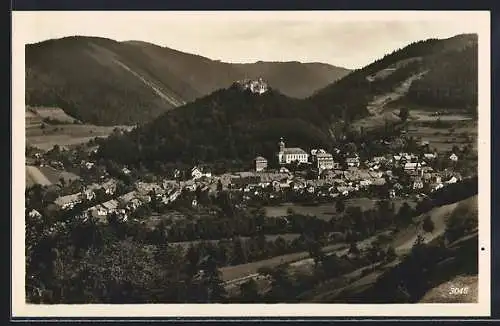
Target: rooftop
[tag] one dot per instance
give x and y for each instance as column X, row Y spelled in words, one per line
column 294, row 150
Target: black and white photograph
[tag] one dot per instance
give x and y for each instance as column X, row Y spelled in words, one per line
column 259, row 158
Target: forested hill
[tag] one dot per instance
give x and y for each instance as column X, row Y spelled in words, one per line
column 105, row 82
column 235, row 125
column 449, row 78
column 228, row 125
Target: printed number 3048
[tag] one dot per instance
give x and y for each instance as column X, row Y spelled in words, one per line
column 458, row 291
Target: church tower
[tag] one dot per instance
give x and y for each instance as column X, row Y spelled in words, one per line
column 281, row 152
column 281, row 145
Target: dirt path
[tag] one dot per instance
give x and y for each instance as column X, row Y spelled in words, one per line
column 37, row 176
column 238, row 273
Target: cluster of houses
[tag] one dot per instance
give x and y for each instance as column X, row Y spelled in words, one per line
column 358, row 175
column 122, row 206
column 331, row 180
column 86, row 194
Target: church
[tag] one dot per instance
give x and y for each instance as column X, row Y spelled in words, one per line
column 291, row 154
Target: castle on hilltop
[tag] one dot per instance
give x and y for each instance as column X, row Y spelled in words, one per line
column 258, row 86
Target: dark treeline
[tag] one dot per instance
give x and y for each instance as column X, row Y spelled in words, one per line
column 451, row 81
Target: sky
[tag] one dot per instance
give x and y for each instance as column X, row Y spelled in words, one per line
column 347, row 39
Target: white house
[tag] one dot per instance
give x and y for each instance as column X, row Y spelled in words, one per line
column 260, row 163
column 353, row 161
column 418, row 184
column 324, row 161
column 196, row 173
column 411, row 166
column 291, row 154
column 430, row 156
column 452, row 180
column 34, row 214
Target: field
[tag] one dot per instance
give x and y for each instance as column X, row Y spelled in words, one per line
column 440, row 294
column 327, row 211
column 47, row 175
column 60, row 129
column 35, row 176
column 54, row 175
column 456, row 130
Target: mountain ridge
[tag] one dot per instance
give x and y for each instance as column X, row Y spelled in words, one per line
column 66, row 73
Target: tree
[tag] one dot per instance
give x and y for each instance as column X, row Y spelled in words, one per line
column 405, row 214
column 428, row 224
column 404, row 113
column 353, row 249
column 249, row 291
column 314, row 248
column 340, row 206
column 390, row 254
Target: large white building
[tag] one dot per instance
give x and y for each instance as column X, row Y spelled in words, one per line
column 323, row 160
column 291, row 154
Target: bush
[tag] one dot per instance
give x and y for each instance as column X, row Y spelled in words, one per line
column 428, row 224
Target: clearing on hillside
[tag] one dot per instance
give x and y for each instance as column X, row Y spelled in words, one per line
column 46, row 127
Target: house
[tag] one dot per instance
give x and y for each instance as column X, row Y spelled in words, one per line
column 324, row 161
column 430, row 156
column 437, row 186
column 378, row 182
column 452, row 180
column 97, row 212
column 453, row 157
column 378, row 159
column 109, row 187
column 352, row 161
column 291, row 154
column 397, row 186
column 88, row 194
column 110, row 206
column 196, row 173
column 260, row 163
column 392, row 193
column 411, row 166
column 284, row 170
column 365, row 183
column 241, row 181
column 34, row 214
column 418, row 184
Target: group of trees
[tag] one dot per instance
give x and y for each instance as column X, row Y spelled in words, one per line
column 85, row 263
column 451, row 81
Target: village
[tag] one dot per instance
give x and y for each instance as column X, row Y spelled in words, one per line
column 307, row 178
